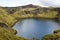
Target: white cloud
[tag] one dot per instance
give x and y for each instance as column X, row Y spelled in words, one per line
column 18, row 2
column 54, row 3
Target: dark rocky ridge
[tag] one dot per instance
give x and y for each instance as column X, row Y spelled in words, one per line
column 30, row 6
column 14, row 9
column 11, row 9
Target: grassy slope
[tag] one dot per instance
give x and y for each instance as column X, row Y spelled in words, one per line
column 48, row 14
column 8, row 35
column 6, row 18
column 54, row 36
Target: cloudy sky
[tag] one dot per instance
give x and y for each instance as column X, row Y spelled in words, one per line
column 13, row 3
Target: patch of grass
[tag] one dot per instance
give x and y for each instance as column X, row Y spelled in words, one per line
column 22, row 14
column 8, row 35
column 54, row 36
column 6, row 18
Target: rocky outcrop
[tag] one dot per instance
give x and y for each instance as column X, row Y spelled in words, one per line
column 30, row 6
column 11, row 10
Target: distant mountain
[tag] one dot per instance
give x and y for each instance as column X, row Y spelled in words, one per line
column 13, row 9
column 30, row 6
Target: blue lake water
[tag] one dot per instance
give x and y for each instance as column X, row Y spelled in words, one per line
column 29, row 28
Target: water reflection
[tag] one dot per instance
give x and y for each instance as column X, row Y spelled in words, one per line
column 30, row 28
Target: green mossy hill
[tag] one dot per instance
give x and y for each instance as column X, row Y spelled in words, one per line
column 6, row 22
column 54, row 36
column 6, row 18
column 8, row 35
column 31, row 12
column 35, row 12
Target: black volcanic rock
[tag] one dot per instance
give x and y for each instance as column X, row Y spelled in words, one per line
column 11, row 9
column 30, row 6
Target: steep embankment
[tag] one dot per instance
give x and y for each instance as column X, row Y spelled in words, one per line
column 58, row 12
column 54, row 36
column 6, row 22
column 11, row 10
column 35, row 12
column 8, row 35
column 30, row 11
column 6, row 18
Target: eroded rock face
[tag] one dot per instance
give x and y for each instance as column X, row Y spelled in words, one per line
column 11, row 10
column 3, row 25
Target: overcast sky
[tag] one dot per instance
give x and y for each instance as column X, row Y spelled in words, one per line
column 13, row 3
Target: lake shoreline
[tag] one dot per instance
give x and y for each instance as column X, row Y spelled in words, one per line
column 35, row 19
column 17, row 19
